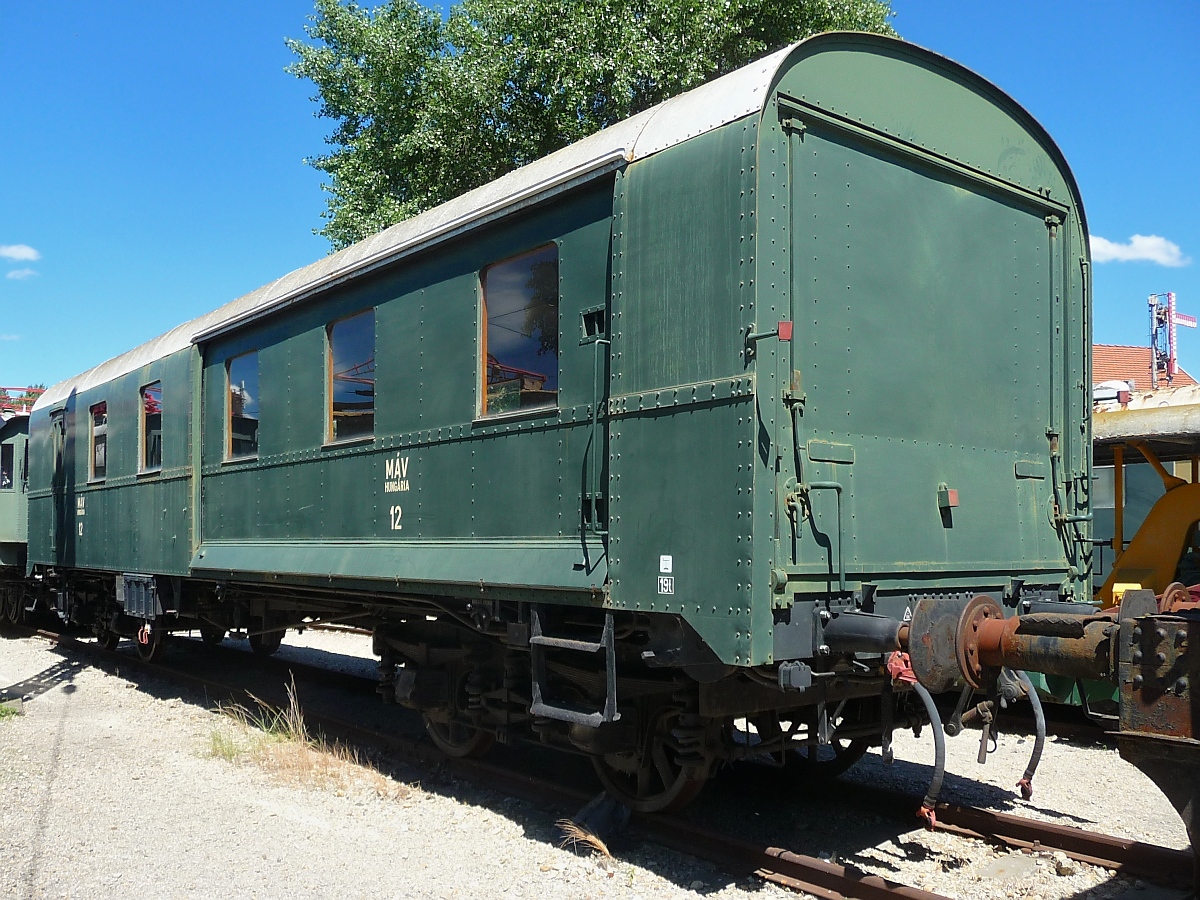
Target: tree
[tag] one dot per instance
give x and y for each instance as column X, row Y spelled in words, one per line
column 427, row 108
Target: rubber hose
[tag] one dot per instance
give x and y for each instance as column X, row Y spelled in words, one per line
column 939, row 748
column 1039, row 718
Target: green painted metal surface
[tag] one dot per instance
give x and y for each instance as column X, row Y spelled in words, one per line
column 919, row 229
column 130, row 521
column 14, row 498
column 468, row 482
column 899, row 217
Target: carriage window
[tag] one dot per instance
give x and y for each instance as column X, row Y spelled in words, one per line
column 99, row 458
column 6, row 467
column 242, row 411
column 520, row 312
column 152, row 427
column 351, row 384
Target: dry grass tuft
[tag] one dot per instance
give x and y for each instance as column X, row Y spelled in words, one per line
column 575, row 834
column 278, row 741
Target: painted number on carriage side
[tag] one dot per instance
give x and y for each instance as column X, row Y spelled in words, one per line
column 396, row 513
column 666, row 584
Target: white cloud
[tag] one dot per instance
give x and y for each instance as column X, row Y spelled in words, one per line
column 1141, row 247
column 10, row 337
column 18, row 274
column 19, row 252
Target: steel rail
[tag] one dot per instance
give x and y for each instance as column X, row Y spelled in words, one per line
column 1119, row 854
column 820, row 878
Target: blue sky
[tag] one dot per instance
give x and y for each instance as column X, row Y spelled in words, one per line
column 151, row 156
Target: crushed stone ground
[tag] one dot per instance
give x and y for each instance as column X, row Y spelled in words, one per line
column 109, row 788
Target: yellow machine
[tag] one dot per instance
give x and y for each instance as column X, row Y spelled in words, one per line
column 1164, row 549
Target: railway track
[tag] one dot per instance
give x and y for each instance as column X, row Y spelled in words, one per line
column 820, row 878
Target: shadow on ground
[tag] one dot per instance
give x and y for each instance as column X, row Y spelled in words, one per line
column 758, row 803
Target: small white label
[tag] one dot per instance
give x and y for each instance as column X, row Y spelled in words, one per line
column 664, row 565
column 666, row 584
column 908, row 614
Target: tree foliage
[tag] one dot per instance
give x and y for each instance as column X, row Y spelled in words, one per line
column 427, row 108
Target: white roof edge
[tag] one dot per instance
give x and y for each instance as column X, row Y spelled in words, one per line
column 698, row 111
column 414, row 243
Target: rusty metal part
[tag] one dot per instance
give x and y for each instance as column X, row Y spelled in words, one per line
column 1157, row 671
column 978, row 611
column 1072, row 646
column 1160, row 864
column 826, row 880
column 1109, row 852
column 1176, row 598
column 932, row 639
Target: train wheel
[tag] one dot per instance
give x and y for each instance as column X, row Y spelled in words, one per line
column 13, row 612
column 457, row 740
column 265, row 643
column 653, row 779
column 151, row 643
column 211, row 634
column 108, row 640
column 827, row 761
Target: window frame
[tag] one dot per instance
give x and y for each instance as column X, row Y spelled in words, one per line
column 143, row 467
column 330, row 439
column 227, row 455
column 12, row 466
column 482, row 416
column 92, row 476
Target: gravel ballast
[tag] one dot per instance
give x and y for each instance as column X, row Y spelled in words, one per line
column 110, row 787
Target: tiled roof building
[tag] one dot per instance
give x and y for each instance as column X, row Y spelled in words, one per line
column 1116, row 362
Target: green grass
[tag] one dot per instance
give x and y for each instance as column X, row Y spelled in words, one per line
column 9, row 712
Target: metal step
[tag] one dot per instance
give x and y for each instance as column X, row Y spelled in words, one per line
column 566, row 643
column 542, row 706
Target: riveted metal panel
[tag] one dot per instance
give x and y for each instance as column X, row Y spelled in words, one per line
column 682, row 488
column 685, row 433
column 131, row 519
column 433, row 470
column 938, row 339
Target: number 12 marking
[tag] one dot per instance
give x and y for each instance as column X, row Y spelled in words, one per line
column 396, row 513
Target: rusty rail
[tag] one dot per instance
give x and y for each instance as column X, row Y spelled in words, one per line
column 1096, row 849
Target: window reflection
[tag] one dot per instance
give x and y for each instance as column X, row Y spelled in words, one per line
column 352, row 377
column 152, row 427
column 99, row 456
column 242, row 425
column 520, row 300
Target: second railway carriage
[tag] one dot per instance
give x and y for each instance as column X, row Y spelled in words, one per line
column 609, row 451
column 14, row 511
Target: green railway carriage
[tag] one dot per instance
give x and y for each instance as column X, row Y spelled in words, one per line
column 606, row 449
column 14, row 513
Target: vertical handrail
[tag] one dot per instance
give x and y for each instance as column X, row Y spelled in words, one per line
column 595, row 469
column 837, row 487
